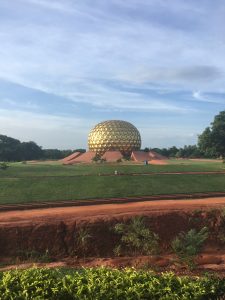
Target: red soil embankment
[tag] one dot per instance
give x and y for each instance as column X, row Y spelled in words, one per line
column 56, row 229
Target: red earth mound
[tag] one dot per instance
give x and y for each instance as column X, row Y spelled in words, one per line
column 70, row 157
column 112, row 156
column 140, row 156
column 83, row 158
column 152, row 157
column 156, row 156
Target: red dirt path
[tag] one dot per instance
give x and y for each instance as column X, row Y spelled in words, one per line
column 106, row 211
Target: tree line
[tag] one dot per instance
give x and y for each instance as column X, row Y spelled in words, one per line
column 13, row 150
column 211, row 144
column 188, row 151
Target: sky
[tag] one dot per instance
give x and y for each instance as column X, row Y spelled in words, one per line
column 67, row 65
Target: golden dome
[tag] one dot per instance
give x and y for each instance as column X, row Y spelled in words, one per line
column 114, row 135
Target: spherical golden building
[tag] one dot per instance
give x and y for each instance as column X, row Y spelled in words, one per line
column 114, row 135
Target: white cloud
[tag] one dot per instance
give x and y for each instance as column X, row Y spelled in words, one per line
column 210, row 98
column 52, row 5
column 67, row 47
column 20, row 105
column 46, row 56
column 108, row 98
column 186, row 76
column 47, row 130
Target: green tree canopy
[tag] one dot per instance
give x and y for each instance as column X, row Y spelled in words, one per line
column 13, row 150
column 9, row 148
column 212, row 140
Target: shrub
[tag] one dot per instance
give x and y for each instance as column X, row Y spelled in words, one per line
column 3, row 166
column 188, row 245
column 221, row 229
column 136, row 238
column 96, row 158
column 126, row 157
column 34, row 256
column 82, row 240
column 195, row 220
column 103, row 283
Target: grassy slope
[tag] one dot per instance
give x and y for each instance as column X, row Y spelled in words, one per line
column 31, row 183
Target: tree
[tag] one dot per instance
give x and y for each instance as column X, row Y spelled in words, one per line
column 30, row 150
column 13, row 150
column 205, row 143
column 212, row 140
column 190, row 151
column 56, row 153
column 173, row 151
column 9, row 148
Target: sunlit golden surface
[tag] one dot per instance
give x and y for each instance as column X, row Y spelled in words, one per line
column 114, row 135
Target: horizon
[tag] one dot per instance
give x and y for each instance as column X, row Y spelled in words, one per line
column 67, row 66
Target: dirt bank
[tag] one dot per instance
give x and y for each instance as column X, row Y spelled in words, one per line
column 55, row 229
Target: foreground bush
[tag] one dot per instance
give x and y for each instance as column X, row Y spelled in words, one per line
column 136, row 238
column 188, row 245
column 105, row 284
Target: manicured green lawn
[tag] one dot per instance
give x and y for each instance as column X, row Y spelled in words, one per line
column 18, row 190
column 28, row 170
column 22, row 183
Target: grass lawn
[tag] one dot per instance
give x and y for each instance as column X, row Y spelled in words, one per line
column 29, row 170
column 22, row 183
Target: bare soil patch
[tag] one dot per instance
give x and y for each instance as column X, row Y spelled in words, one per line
column 41, row 162
column 158, row 162
column 205, row 159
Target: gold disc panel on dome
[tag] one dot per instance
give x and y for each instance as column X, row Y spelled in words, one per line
column 114, row 135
